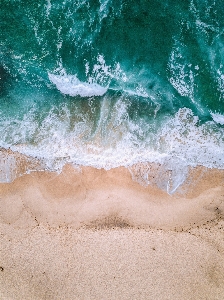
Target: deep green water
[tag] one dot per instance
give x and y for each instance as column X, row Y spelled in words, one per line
column 109, row 82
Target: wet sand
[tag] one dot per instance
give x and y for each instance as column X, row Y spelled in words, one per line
column 97, row 234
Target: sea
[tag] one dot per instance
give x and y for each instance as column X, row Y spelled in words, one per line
column 110, row 83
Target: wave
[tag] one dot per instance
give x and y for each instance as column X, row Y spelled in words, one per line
column 176, row 143
column 97, row 84
column 72, row 86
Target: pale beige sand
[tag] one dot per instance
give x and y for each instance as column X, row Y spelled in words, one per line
column 96, row 234
column 109, row 264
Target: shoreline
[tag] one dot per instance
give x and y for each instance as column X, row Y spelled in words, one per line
column 80, row 197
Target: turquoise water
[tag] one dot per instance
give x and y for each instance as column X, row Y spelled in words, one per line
column 112, row 83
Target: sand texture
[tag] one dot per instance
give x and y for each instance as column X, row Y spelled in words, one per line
column 97, row 234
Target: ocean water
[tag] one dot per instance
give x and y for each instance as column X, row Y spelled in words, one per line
column 110, row 83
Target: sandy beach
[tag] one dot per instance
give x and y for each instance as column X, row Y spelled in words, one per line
column 112, row 150
column 97, row 234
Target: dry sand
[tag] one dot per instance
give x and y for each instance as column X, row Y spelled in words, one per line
column 96, row 234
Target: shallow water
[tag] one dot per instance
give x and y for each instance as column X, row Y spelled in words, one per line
column 113, row 83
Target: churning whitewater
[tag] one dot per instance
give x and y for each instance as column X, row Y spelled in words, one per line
column 112, row 83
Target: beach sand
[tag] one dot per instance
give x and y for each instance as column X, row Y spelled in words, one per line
column 94, row 234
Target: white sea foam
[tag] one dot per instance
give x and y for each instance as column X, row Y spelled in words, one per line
column 71, row 85
column 104, row 8
column 175, row 143
column 98, row 78
column 218, row 118
column 182, row 78
column 48, row 7
column 183, row 74
column 103, row 73
column 7, row 167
